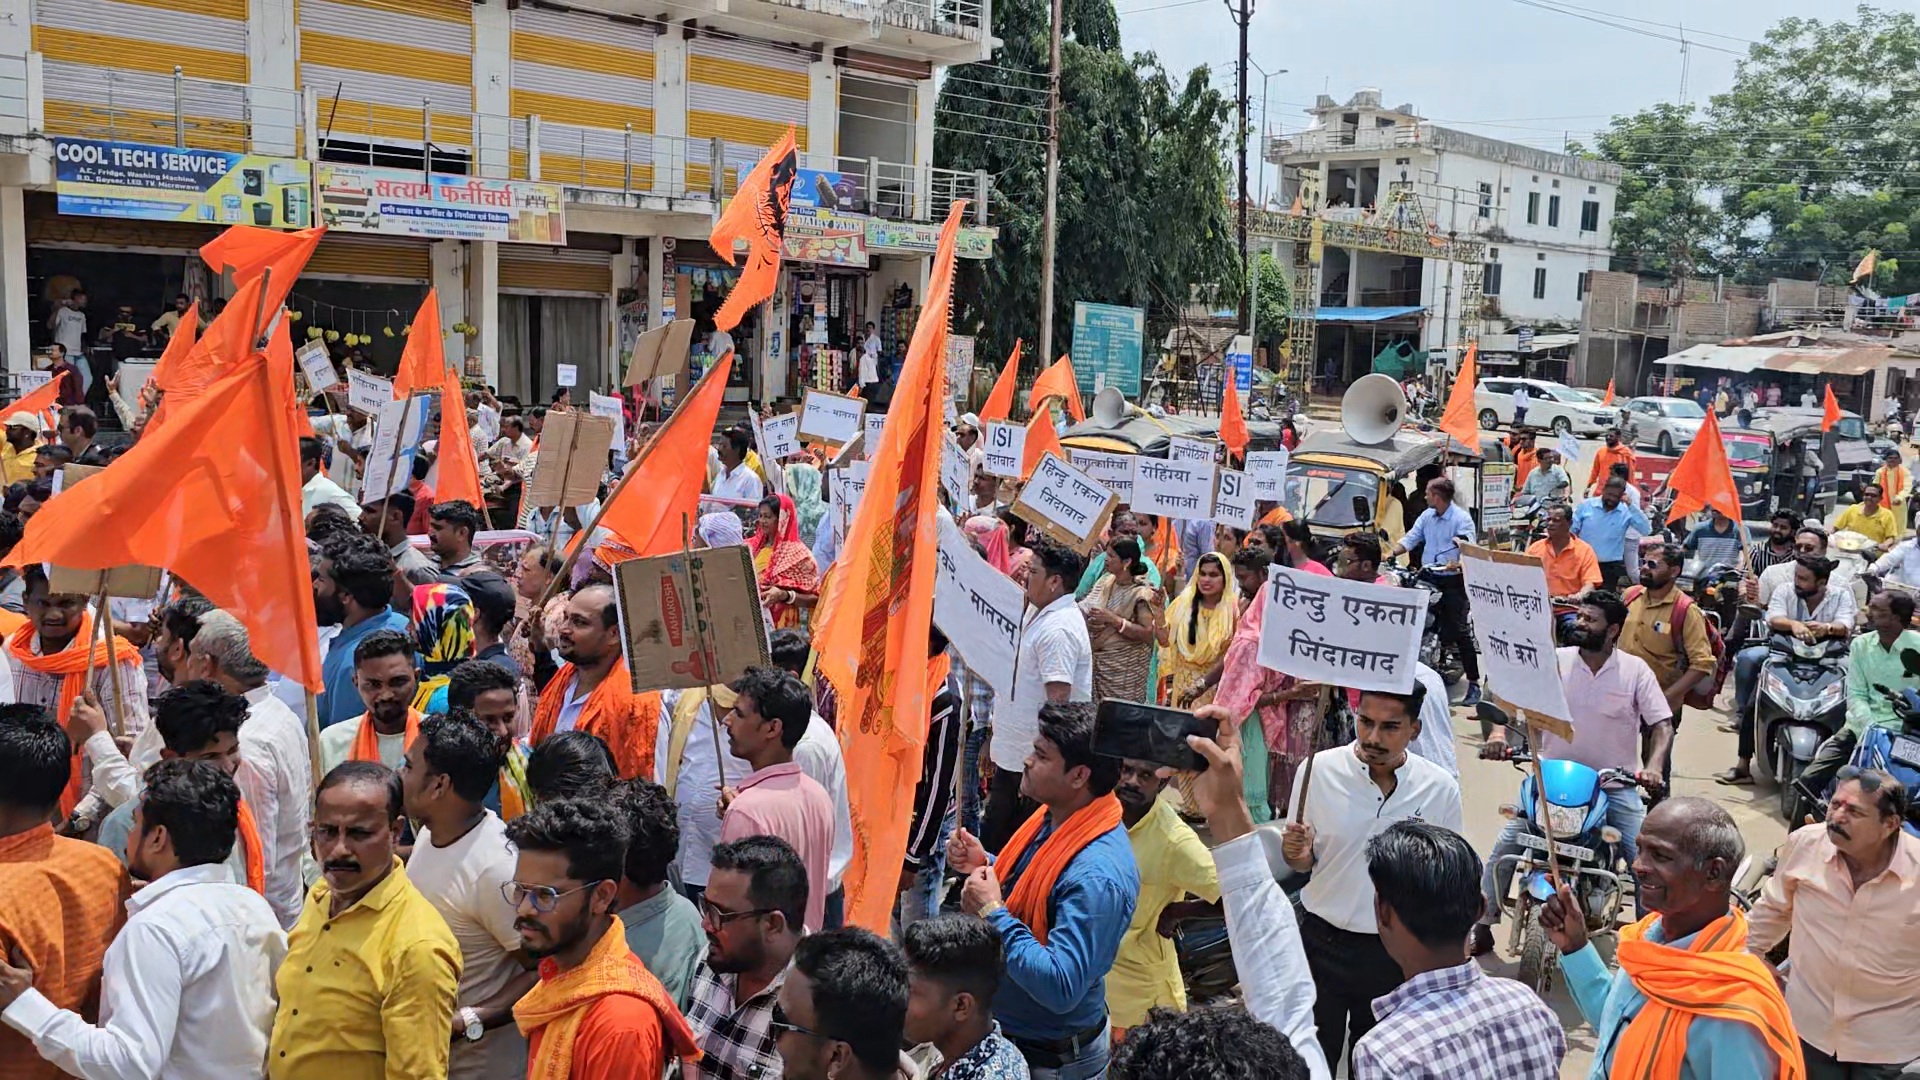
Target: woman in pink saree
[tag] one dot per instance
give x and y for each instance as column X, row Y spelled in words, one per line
column 1287, row 709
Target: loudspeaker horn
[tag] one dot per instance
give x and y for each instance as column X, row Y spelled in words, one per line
column 1110, row 407
column 1373, row 409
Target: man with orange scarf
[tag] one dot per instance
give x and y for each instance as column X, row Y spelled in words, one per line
column 597, row 1013
column 1061, row 893
column 56, row 663
column 592, row 691
column 1688, row 999
column 383, row 672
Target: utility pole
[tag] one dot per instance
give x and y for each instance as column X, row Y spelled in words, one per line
column 1048, row 224
column 1243, row 16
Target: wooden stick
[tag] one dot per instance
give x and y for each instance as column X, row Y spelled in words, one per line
column 395, row 465
column 313, row 737
column 1313, row 747
column 1540, row 797
column 116, row 717
column 701, row 629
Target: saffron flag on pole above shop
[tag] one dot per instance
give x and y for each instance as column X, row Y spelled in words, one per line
column 870, row 630
column 758, row 216
column 425, row 356
column 999, row 405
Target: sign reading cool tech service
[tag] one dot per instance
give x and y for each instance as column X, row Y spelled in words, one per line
column 406, row 202
column 167, row 183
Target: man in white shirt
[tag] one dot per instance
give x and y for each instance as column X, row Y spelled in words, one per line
column 349, row 437
column 1901, row 563
column 689, row 759
column 186, row 989
column 736, row 480
column 460, row 860
column 69, row 325
column 820, row 757
column 869, row 360
column 1520, row 399
column 273, row 746
column 1358, row 790
column 315, row 488
column 1054, row 663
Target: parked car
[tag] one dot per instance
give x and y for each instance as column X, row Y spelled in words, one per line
column 1666, row 423
column 1552, row 405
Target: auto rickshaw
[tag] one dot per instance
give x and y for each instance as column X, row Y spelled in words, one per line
column 1841, row 460
column 1338, row 485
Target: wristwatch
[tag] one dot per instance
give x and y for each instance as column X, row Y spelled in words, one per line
column 471, row 1019
column 991, row 907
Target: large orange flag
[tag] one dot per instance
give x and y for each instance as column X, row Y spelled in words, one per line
column 1702, row 477
column 214, row 498
column 425, row 358
column 757, row 215
column 178, row 346
column 1233, row 422
column 1459, row 420
column 1829, row 410
column 39, row 401
column 999, row 404
column 1041, row 441
column 1608, row 400
column 280, row 352
column 662, row 489
column 459, row 467
column 870, row 630
column 1057, row 381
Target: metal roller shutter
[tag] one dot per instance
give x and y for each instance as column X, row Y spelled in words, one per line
column 586, row 76
column 394, row 258
column 572, row 270
column 142, row 42
column 384, row 58
column 745, row 92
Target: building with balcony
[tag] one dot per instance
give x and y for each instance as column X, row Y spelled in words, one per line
column 1545, row 218
column 552, row 170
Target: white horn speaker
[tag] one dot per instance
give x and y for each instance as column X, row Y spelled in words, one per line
column 1110, row 407
column 1373, row 409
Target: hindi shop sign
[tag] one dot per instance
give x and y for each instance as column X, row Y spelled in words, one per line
column 1113, row 470
column 1107, row 343
column 1345, row 633
column 1181, row 489
column 1065, row 503
column 978, row 608
column 1513, row 627
column 436, row 206
column 1006, row 448
column 165, row 183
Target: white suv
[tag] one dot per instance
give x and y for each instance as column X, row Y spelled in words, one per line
column 1549, row 405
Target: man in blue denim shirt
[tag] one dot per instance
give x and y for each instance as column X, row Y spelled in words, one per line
column 1053, row 1001
column 1602, row 522
column 352, row 585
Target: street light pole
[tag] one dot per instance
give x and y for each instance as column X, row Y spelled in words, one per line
column 1265, row 77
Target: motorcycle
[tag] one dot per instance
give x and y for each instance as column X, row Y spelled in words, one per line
column 1896, row 753
column 1715, row 589
column 1441, row 656
column 1802, row 700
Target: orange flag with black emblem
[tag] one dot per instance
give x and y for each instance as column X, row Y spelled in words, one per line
column 758, row 216
column 1057, row 381
column 999, row 404
column 870, row 630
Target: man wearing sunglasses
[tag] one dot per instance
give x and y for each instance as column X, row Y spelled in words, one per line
column 596, row 1011
column 752, row 909
column 1669, row 631
column 842, row 1009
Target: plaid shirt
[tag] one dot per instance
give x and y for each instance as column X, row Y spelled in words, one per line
column 737, row 1038
column 1460, row 1021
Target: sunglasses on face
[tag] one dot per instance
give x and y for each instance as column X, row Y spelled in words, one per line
column 779, row 1025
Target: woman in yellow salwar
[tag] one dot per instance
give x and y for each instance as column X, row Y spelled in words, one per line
column 1199, row 626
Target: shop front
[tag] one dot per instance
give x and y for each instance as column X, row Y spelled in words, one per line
column 555, row 310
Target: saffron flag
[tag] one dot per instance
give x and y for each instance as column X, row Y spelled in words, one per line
column 757, row 215
column 1867, row 265
column 1057, row 381
column 214, row 497
column 1702, row 477
column 425, row 358
column 178, row 346
column 870, row 630
column 1459, row 420
column 39, row 401
column 1608, row 400
column 999, row 404
column 661, row 492
column 1041, row 441
column 459, row 467
column 1829, row 410
column 280, row 352
column 1233, row 422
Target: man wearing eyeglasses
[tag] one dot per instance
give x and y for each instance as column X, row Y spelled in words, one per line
column 752, row 910
column 372, row 973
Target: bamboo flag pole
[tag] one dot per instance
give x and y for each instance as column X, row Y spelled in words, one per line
column 705, row 634
column 116, row 720
column 313, row 738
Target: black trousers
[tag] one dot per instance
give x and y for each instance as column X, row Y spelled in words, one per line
column 1006, row 809
column 1453, row 621
column 1349, row 971
column 1828, row 759
column 1612, row 574
column 1822, row 1066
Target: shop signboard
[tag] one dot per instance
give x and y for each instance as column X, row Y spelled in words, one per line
column 1240, row 362
column 828, row 237
column 917, row 237
column 976, row 242
column 819, row 189
column 406, row 202
column 164, row 183
column 1106, row 346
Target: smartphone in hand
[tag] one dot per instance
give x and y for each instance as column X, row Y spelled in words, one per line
column 1129, row 729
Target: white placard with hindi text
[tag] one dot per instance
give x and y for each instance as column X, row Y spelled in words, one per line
column 1344, row 633
column 316, row 365
column 979, row 609
column 1006, row 447
column 1233, row 500
column 1064, row 502
column 1183, row 448
column 1268, row 469
column 609, row 406
column 1180, row 489
column 956, row 472
column 1113, row 470
column 780, row 438
column 830, row 418
column 396, row 439
column 1513, row 628
column 566, row 374
column 366, row 392
column 876, row 424
column 29, row 381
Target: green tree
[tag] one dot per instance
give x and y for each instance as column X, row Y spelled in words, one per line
column 1665, row 219
column 1272, row 299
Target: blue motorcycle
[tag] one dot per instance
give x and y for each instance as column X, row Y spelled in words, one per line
column 1896, row 753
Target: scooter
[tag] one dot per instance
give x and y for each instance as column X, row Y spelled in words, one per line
column 1896, row 753
column 1802, row 700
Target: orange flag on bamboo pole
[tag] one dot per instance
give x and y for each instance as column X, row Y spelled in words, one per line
column 1608, row 400
column 1041, row 441
column 662, row 490
column 1233, row 422
column 280, row 352
column 214, row 498
column 424, row 359
column 1459, row 420
column 870, row 630
column 999, row 404
column 1702, row 477
column 757, row 215
column 1057, row 381
column 1829, row 411
column 459, row 466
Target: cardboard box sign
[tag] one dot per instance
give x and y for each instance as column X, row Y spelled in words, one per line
column 130, row 582
column 690, row 619
column 573, row 458
column 660, row 351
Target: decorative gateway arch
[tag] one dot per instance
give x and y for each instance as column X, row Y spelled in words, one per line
column 1398, row 226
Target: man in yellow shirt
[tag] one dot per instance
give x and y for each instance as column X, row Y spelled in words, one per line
column 1173, row 863
column 368, row 989
column 1869, row 518
column 23, row 447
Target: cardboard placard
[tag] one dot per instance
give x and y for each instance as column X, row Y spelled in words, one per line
column 1066, row 504
column 131, row 582
column 1268, row 470
column 660, row 351
column 979, row 609
column 876, row 425
column 1513, row 628
column 779, row 437
column 1183, row 448
column 1180, row 489
column 1233, row 500
column 396, row 442
column 1005, row 448
column 1113, row 470
column 610, row 407
column 833, row 419
column 691, row 618
column 776, row 473
column 566, row 374
column 367, row 392
column 956, row 472
column 317, row 366
column 572, row 459
column 1496, row 494
column 1344, row 633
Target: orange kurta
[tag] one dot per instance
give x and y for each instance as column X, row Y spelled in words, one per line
column 1603, row 462
column 61, row 903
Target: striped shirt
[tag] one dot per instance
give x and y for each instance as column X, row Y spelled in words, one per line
column 933, row 795
column 736, row 1038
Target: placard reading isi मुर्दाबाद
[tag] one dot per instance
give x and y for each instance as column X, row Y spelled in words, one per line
column 1513, row 628
column 1113, row 470
column 1345, row 633
column 1179, row 489
column 978, row 608
column 830, row 418
column 1233, row 500
column 1004, row 448
column 1065, row 503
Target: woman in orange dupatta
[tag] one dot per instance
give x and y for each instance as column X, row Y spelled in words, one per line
column 782, row 563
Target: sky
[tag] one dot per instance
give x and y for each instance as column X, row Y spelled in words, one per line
column 1507, row 69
